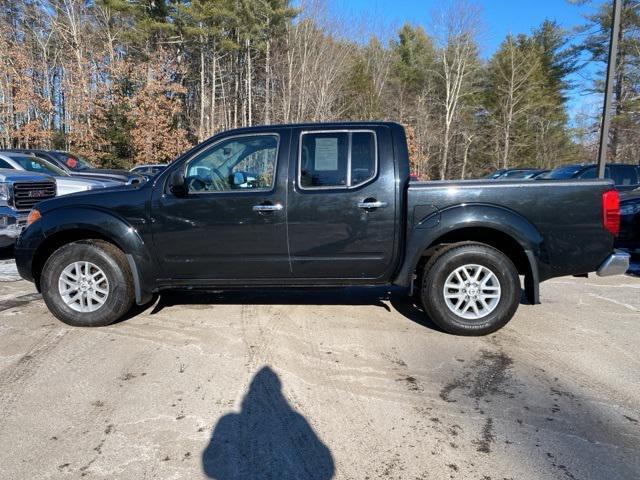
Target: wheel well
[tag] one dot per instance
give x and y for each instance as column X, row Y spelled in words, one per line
column 57, row 240
column 489, row 236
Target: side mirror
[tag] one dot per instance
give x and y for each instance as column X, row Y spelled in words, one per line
column 177, row 183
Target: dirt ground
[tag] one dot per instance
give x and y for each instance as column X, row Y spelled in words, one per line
column 346, row 384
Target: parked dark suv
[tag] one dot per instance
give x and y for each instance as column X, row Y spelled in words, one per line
column 625, row 177
column 629, row 237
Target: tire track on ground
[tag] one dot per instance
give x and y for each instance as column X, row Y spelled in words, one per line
column 329, row 370
column 18, row 301
column 14, row 377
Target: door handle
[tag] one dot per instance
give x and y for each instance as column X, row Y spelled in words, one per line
column 370, row 204
column 267, row 208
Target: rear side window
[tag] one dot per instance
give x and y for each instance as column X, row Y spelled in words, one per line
column 624, row 175
column 337, row 159
column 4, row 164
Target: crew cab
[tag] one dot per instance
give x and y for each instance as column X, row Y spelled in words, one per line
column 318, row 205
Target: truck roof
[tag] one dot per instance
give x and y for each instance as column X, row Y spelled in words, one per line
column 316, row 125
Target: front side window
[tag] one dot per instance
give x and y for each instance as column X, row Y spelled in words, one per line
column 562, row 173
column 240, row 163
column 589, row 173
column 337, row 159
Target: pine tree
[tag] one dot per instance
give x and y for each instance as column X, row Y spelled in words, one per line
column 624, row 137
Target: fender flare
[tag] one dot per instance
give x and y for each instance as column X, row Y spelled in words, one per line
column 112, row 227
column 427, row 231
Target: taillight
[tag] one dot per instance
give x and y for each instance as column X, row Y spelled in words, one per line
column 611, row 212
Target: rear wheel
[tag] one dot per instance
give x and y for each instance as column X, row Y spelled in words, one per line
column 470, row 289
column 87, row 283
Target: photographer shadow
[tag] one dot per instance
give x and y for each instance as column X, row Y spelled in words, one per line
column 267, row 439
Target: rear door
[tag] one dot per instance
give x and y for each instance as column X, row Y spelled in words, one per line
column 341, row 206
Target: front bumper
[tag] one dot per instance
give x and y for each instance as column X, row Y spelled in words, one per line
column 616, row 264
column 11, row 224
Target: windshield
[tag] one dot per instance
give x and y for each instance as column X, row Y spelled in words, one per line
column 563, row 172
column 518, row 174
column 496, row 174
column 37, row 165
column 73, row 162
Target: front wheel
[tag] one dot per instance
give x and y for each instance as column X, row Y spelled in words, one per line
column 87, row 283
column 470, row 289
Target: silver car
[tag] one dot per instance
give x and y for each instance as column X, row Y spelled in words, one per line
column 66, row 183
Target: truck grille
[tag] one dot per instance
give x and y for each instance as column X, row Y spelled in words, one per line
column 26, row 195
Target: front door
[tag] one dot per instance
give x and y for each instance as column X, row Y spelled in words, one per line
column 231, row 225
column 342, row 205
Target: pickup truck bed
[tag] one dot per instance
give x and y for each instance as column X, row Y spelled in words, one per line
column 318, row 205
column 549, row 219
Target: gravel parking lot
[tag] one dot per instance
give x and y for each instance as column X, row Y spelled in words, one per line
column 346, row 384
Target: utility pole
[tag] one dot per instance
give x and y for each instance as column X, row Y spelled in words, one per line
column 608, row 89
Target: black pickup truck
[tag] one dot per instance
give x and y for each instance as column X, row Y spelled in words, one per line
column 318, row 205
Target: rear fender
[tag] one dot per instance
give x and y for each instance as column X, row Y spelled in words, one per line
column 437, row 226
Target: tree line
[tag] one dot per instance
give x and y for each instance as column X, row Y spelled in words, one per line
column 125, row 83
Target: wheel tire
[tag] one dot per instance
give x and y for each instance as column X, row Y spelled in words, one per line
column 113, row 264
column 444, row 263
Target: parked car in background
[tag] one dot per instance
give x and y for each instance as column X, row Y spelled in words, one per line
column 149, row 170
column 19, row 192
column 625, row 177
column 629, row 237
column 516, row 174
column 66, row 183
column 496, row 174
column 77, row 166
column 318, row 205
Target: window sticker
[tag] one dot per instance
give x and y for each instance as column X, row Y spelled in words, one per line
column 326, row 158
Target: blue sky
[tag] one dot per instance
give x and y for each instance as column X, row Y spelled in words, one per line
column 498, row 18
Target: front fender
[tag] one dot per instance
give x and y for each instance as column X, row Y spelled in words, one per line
column 81, row 222
column 427, row 231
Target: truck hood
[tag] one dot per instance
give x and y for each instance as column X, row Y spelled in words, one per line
column 68, row 185
column 112, row 198
column 121, row 176
column 11, row 175
column 91, row 182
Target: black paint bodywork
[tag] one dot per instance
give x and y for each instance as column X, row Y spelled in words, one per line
column 629, row 238
column 322, row 237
